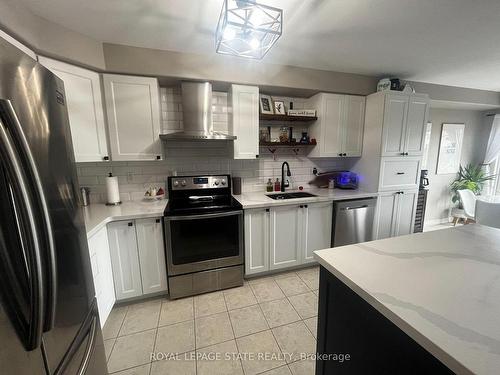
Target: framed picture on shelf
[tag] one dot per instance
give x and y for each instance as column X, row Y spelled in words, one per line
column 266, row 104
column 279, row 108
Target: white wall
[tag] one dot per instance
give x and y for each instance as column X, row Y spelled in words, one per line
column 474, row 147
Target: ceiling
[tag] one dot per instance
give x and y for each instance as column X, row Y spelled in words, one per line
column 449, row 42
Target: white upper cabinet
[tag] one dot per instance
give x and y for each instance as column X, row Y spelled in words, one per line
column 405, row 116
column 418, row 113
column 151, row 255
column 85, row 110
column 393, row 133
column 352, row 144
column 133, row 113
column 244, row 121
column 317, row 228
column 339, row 128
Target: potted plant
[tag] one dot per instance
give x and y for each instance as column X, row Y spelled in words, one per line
column 471, row 177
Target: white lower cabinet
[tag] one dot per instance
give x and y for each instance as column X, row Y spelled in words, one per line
column 285, row 236
column 395, row 213
column 317, row 231
column 102, row 273
column 151, row 255
column 286, row 233
column 137, row 258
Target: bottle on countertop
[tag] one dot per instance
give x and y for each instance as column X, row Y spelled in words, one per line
column 277, row 185
column 269, row 186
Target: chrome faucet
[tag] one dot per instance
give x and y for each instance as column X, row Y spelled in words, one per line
column 283, row 184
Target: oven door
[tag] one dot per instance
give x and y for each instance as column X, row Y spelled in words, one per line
column 203, row 242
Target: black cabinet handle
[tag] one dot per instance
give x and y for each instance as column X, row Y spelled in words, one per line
column 305, row 206
column 400, row 173
column 158, row 157
column 340, row 154
column 256, row 156
column 130, row 224
column 402, row 154
column 157, row 220
column 106, row 158
column 344, row 154
column 267, row 209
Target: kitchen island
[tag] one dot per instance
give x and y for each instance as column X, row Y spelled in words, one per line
column 422, row 303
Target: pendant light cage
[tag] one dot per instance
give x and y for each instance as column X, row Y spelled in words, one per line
column 247, row 29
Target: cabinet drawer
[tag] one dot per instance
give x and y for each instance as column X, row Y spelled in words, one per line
column 399, row 173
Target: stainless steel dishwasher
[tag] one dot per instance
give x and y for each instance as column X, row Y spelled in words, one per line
column 353, row 221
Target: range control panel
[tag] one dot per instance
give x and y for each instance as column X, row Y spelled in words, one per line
column 199, row 182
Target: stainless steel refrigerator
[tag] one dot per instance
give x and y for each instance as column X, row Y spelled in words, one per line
column 49, row 322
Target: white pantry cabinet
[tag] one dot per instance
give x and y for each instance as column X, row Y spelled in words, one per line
column 102, row 273
column 285, row 236
column 339, row 128
column 85, row 110
column 151, row 255
column 395, row 213
column 133, row 113
column 404, row 119
column 137, row 255
column 244, row 120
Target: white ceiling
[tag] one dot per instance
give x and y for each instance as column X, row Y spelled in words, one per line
column 450, row 42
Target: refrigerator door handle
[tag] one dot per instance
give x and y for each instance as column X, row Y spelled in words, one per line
column 89, row 350
column 28, row 227
column 47, row 237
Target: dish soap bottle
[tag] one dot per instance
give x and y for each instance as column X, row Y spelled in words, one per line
column 269, row 186
column 277, row 185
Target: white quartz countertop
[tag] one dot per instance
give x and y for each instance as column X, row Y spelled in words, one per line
column 442, row 288
column 98, row 215
column 259, row 199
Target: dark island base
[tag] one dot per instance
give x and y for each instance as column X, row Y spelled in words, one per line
column 348, row 325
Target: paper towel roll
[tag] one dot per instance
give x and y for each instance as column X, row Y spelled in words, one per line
column 112, row 190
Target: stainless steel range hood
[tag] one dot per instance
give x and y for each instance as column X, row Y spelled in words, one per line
column 197, row 114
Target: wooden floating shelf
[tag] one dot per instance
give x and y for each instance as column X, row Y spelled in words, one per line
column 285, row 144
column 266, row 117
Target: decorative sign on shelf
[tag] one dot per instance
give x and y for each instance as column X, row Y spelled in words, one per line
column 302, row 112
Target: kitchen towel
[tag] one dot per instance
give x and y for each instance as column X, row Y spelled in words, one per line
column 112, row 190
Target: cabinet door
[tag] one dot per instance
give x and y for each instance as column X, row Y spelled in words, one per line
column 85, row 110
column 151, row 255
column 245, row 121
column 124, row 259
column 102, row 273
column 353, row 125
column 393, row 131
column 332, row 124
column 386, row 215
column 133, row 112
column 399, row 173
column 407, row 202
column 418, row 111
column 286, row 230
column 256, row 240
column 317, row 226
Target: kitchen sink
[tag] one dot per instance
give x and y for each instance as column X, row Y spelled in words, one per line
column 299, row 194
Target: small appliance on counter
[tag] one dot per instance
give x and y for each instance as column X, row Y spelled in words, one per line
column 340, row 180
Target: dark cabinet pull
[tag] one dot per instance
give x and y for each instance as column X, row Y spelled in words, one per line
column 267, row 209
column 130, row 224
column 157, row 220
column 256, row 156
column 344, row 154
column 158, row 157
column 305, row 205
column 106, row 158
column 340, row 154
column 400, row 173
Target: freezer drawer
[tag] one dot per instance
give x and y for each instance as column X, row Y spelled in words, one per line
column 353, row 221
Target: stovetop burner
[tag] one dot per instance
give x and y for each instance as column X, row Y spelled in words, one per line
column 193, row 195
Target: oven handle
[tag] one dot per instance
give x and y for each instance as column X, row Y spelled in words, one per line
column 204, row 216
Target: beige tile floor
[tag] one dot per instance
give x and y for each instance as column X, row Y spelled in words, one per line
column 275, row 314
